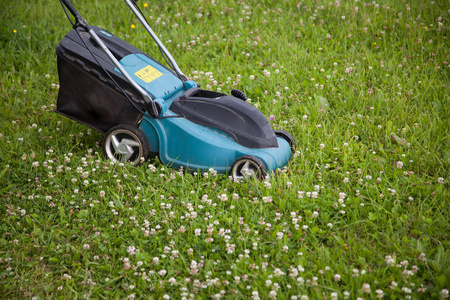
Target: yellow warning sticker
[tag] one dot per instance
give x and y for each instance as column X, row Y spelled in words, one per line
column 148, row 74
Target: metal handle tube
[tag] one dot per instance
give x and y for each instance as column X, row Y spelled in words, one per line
column 79, row 20
column 70, row 7
column 155, row 37
column 145, row 95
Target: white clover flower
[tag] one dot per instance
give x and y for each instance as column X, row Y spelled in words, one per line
column 389, row 260
column 365, row 288
column 255, row 295
column 380, row 293
column 131, row 250
column 346, row 294
column 273, row 294
column 393, row 285
column 278, row 273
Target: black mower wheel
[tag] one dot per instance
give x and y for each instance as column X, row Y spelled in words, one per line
column 125, row 143
column 247, row 167
column 287, row 136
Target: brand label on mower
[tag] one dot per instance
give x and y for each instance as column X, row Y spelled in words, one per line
column 148, row 74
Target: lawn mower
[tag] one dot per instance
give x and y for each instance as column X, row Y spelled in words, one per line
column 145, row 109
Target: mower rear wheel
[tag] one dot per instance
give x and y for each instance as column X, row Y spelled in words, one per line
column 247, row 167
column 287, row 136
column 125, row 143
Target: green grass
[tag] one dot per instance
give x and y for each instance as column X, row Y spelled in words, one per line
column 363, row 87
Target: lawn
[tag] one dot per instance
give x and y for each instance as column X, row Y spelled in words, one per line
column 360, row 212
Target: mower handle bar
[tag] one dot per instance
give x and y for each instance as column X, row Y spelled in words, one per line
column 131, row 4
column 81, row 22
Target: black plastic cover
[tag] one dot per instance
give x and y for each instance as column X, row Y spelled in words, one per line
column 241, row 120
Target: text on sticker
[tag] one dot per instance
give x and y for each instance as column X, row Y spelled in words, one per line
column 148, row 74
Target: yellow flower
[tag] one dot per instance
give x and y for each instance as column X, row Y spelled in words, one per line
column 314, row 24
column 15, row 31
column 145, row 4
column 133, row 26
column 374, row 43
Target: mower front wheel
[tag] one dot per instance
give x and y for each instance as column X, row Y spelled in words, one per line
column 247, row 167
column 125, row 143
